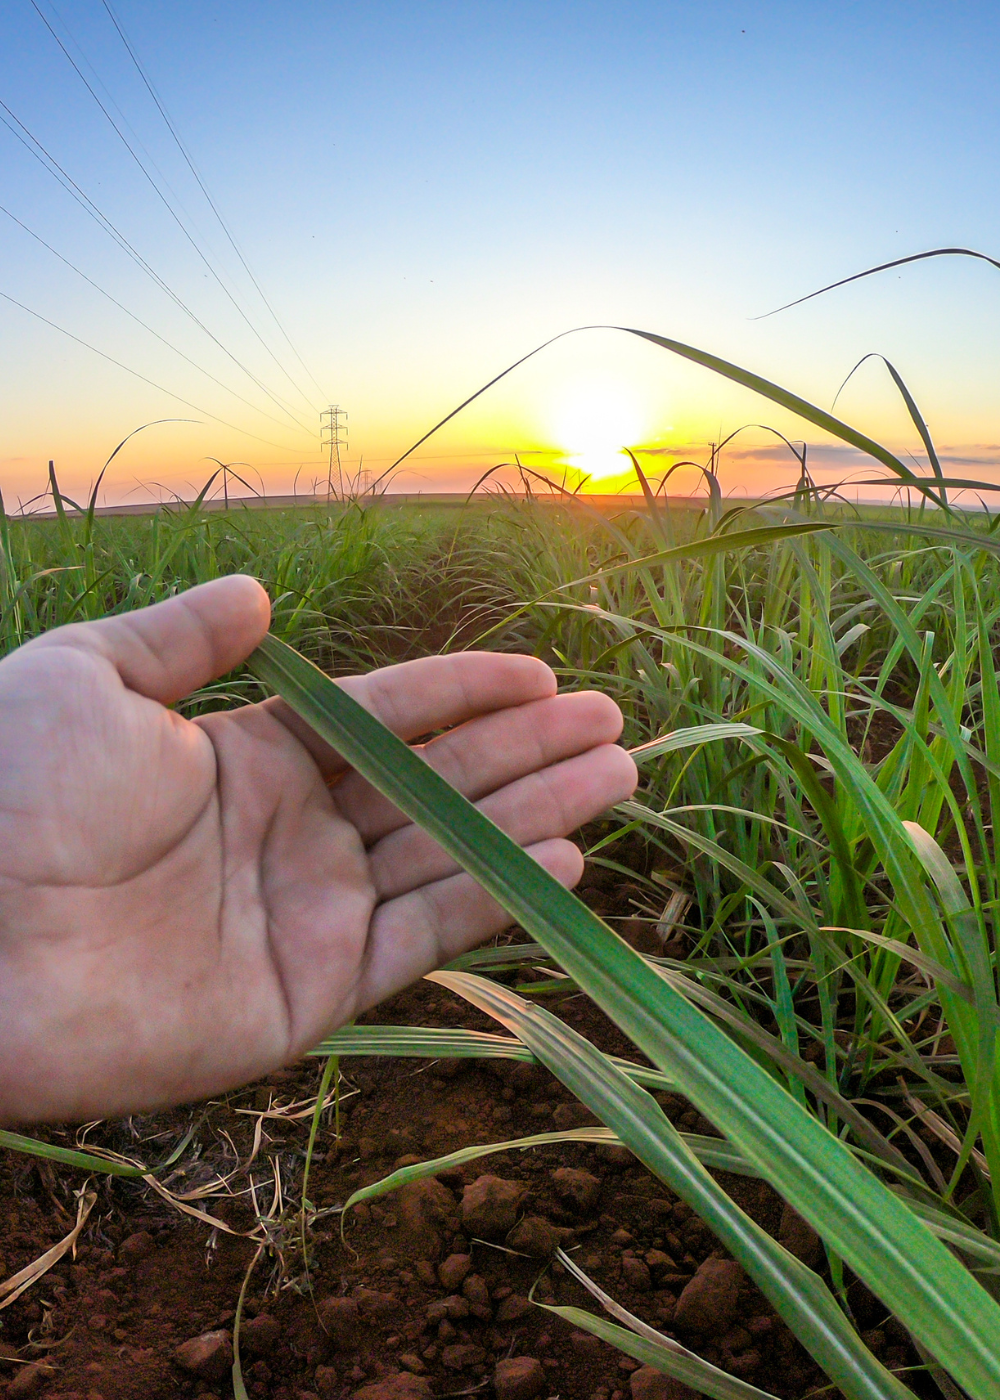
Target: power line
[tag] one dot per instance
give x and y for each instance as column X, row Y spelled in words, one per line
column 122, row 116
column 52, row 166
column 169, row 208
column 49, row 163
column 137, row 319
column 201, row 185
column 156, row 188
column 135, row 373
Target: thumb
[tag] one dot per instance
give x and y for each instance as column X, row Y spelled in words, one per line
column 168, row 650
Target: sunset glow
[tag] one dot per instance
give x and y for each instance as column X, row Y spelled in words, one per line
column 413, row 236
column 592, row 422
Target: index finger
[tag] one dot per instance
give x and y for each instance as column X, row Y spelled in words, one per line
column 415, row 698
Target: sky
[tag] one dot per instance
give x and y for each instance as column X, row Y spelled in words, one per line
column 421, row 194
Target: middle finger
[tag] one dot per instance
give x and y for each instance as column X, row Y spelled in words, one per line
column 490, row 752
column 537, row 807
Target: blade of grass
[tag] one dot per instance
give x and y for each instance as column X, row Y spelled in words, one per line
column 437, row 1043
column 662, row 1352
column 711, row 1152
column 419, row 1171
column 886, row 1245
column 69, row 1157
column 795, row 1291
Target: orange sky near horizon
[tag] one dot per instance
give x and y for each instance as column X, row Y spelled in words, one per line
column 567, row 418
column 388, row 204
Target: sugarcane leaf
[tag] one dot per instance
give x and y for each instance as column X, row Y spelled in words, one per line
column 866, row 1226
column 799, row 1296
column 647, row 1345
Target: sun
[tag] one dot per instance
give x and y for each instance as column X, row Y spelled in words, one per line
column 593, row 421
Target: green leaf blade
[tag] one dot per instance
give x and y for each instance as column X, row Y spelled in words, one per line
column 885, row 1243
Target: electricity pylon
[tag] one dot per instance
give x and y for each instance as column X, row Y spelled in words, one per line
column 333, row 435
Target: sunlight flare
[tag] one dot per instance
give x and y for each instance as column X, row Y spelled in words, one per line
column 593, row 421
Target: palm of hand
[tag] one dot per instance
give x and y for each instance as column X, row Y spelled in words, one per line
column 184, row 906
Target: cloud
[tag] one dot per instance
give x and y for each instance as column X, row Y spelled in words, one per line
column 958, row 458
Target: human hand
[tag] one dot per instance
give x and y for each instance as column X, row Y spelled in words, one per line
column 187, row 904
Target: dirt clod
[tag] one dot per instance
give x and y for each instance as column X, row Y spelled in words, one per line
column 136, row 1248
column 586, row 1344
column 708, row 1302
column 402, row 1386
column 327, row 1382
column 454, row 1269
column 799, row 1238
column 30, row 1380
column 489, row 1206
column 649, row 1384
column 427, row 1210
column 660, row 1263
column 577, row 1189
column 535, row 1236
column 513, row 1308
column 340, row 1318
column 461, row 1355
column 614, row 1155
column 260, row 1335
column 572, row 1115
column 518, row 1378
column 636, row 1274
column 374, row 1303
column 475, row 1290
column 209, row 1357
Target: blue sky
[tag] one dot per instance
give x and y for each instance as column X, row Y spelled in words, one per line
column 426, row 191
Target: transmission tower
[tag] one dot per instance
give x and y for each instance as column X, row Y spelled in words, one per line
column 333, row 436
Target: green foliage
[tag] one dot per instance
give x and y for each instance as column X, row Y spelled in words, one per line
column 811, row 693
column 866, row 1224
column 353, row 587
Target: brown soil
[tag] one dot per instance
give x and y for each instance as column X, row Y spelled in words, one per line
column 146, row 1279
